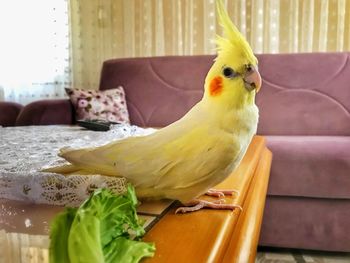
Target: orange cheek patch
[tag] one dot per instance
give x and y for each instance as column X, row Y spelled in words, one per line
column 215, row 86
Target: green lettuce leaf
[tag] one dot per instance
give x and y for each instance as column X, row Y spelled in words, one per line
column 127, row 251
column 60, row 227
column 100, row 230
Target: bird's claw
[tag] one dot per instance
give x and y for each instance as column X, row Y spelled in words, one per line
column 221, row 193
column 197, row 204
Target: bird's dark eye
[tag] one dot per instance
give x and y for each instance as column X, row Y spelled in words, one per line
column 228, row 72
column 249, row 68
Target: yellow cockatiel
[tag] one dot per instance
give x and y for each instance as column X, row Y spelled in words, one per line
column 185, row 159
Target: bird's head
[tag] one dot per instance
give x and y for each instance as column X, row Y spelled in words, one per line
column 233, row 80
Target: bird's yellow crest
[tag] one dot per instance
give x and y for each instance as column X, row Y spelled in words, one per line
column 232, row 39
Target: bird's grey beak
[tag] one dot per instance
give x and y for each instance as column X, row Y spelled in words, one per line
column 252, row 79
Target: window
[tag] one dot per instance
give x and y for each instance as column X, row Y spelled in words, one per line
column 34, row 49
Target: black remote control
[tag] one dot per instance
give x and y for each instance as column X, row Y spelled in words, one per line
column 96, row 125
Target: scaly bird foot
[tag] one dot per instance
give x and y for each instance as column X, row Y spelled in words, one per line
column 221, row 193
column 197, row 204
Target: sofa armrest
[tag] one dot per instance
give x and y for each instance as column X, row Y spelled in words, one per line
column 9, row 112
column 47, row 112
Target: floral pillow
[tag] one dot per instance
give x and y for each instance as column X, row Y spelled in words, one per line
column 106, row 105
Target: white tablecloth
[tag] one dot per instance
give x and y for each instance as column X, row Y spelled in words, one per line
column 26, row 150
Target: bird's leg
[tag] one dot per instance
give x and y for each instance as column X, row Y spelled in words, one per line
column 198, row 204
column 221, row 193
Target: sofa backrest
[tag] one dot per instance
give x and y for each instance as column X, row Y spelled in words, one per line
column 159, row 90
column 305, row 94
column 302, row 94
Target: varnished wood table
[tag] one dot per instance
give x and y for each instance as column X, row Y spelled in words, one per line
column 203, row 236
column 219, row 235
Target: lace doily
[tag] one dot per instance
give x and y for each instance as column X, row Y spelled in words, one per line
column 26, row 150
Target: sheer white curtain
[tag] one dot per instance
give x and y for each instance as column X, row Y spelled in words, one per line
column 103, row 29
column 34, row 49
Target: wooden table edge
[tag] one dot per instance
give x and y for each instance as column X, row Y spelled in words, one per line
column 244, row 240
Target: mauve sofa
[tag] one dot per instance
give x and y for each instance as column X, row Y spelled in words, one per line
column 304, row 115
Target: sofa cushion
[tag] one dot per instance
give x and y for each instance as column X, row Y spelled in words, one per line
column 107, row 105
column 307, row 223
column 310, row 166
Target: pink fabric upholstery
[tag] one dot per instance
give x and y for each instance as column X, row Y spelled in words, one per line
column 305, row 94
column 159, row 90
column 45, row 112
column 310, row 166
column 9, row 112
column 306, row 223
column 296, row 89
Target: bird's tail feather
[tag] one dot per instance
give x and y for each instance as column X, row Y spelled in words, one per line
column 63, row 169
column 89, row 160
